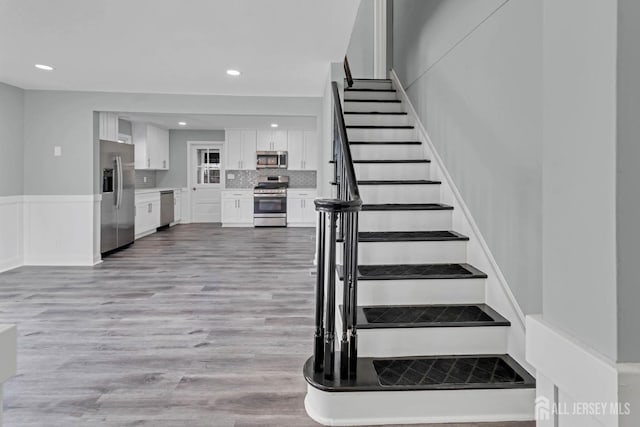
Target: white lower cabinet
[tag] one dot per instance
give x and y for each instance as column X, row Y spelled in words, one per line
column 237, row 208
column 301, row 211
column 147, row 213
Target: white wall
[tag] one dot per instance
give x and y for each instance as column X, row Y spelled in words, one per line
column 11, row 175
column 579, row 170
column 360, row 50
column 472, row 70
column 628, row 178
column 11, row 140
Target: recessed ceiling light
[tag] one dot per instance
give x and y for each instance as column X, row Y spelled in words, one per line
column 182, row 123
column 234, row 73
column 274, row 125
column 44, row 67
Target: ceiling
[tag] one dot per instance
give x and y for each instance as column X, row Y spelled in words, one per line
column 222, row 121
column 282, row 47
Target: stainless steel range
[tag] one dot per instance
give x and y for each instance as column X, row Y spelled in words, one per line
column 270, row 201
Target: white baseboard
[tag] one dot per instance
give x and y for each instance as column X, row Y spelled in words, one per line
column 580, row 376
column 497, row 293
column 11, row 232
column 60, row 230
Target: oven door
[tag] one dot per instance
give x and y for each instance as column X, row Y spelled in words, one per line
column 269, row 204
column 270, row 210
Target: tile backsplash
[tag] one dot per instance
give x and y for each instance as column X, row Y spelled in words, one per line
column 151, row 179
column 249, row 178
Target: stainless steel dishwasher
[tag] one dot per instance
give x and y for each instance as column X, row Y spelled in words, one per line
column 167, row 206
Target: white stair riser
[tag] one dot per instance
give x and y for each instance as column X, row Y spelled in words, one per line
column 369, row 95
column 372, row 84
column 374, row 106
column 376, row 119
column 407, row 292
column 405, row 220
column 410, row 193
column 412, row 252
column 381, row 134
column 419, row 407
column 386, row 151
column 392, row 171
column 392, row 342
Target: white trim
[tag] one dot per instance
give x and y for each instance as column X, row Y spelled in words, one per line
column 60, row 230
column 380, row 39
column 579, row 372
column 11, row 230
column 417, row 407
column 498, row 293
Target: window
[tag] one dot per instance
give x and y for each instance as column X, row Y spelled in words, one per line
column 208, row 169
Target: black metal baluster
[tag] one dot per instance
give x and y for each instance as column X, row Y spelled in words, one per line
column 330, row 317
column 353, row 339
column 318, row 351
column 346, row 302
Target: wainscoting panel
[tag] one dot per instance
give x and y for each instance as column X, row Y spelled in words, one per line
column 11, row 229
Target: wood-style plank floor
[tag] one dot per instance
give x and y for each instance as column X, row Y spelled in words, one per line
column 193, row 326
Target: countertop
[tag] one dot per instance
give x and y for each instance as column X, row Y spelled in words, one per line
column 157, row 190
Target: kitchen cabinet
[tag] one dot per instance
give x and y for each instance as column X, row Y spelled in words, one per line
column 108, row 126
column 147, row 213
column 237, row 208
column 271, row 140
column 151, row 146
column 241, row 149
column 177, row 210
column 301, row 211
column 303, row 150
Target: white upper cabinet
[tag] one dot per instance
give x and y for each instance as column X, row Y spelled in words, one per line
column 108, row 126
column 303, row 150
column 241, row 149
column 151, row 146
column 272, row 140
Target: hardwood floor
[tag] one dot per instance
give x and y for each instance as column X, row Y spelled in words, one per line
column 193, row 326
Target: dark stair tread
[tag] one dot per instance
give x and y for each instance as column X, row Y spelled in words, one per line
column 391, row 161
column 393, row 101
column 392, row 113
column 416, row 272
column 385, row 142
column 429, row 316
column 399, row 182
column 380, row 127
column 355, row 89
column 410, row 236
column 370, row 80
column 407, row 207
column 465, row 372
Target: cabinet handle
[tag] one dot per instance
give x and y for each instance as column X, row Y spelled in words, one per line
column 148, row 163
column 164, row 164
column 150, row 207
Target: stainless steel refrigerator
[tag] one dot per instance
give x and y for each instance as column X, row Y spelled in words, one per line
column 118, row 195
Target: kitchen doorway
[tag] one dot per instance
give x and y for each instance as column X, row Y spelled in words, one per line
column 206, row 180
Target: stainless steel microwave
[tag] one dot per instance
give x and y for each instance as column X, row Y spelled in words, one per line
column 271, row 160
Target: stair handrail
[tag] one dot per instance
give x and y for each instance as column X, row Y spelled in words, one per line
column 347, row 72
column 342, row 210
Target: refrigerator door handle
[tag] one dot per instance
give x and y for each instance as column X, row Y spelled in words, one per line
column 116, row 177
column 120, row 183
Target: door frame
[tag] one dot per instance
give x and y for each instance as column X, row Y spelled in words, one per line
column 190, row 160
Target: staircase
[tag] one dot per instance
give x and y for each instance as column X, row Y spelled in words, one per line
column 418, row 342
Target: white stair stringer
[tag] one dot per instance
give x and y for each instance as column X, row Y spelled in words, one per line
column 417, row 407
